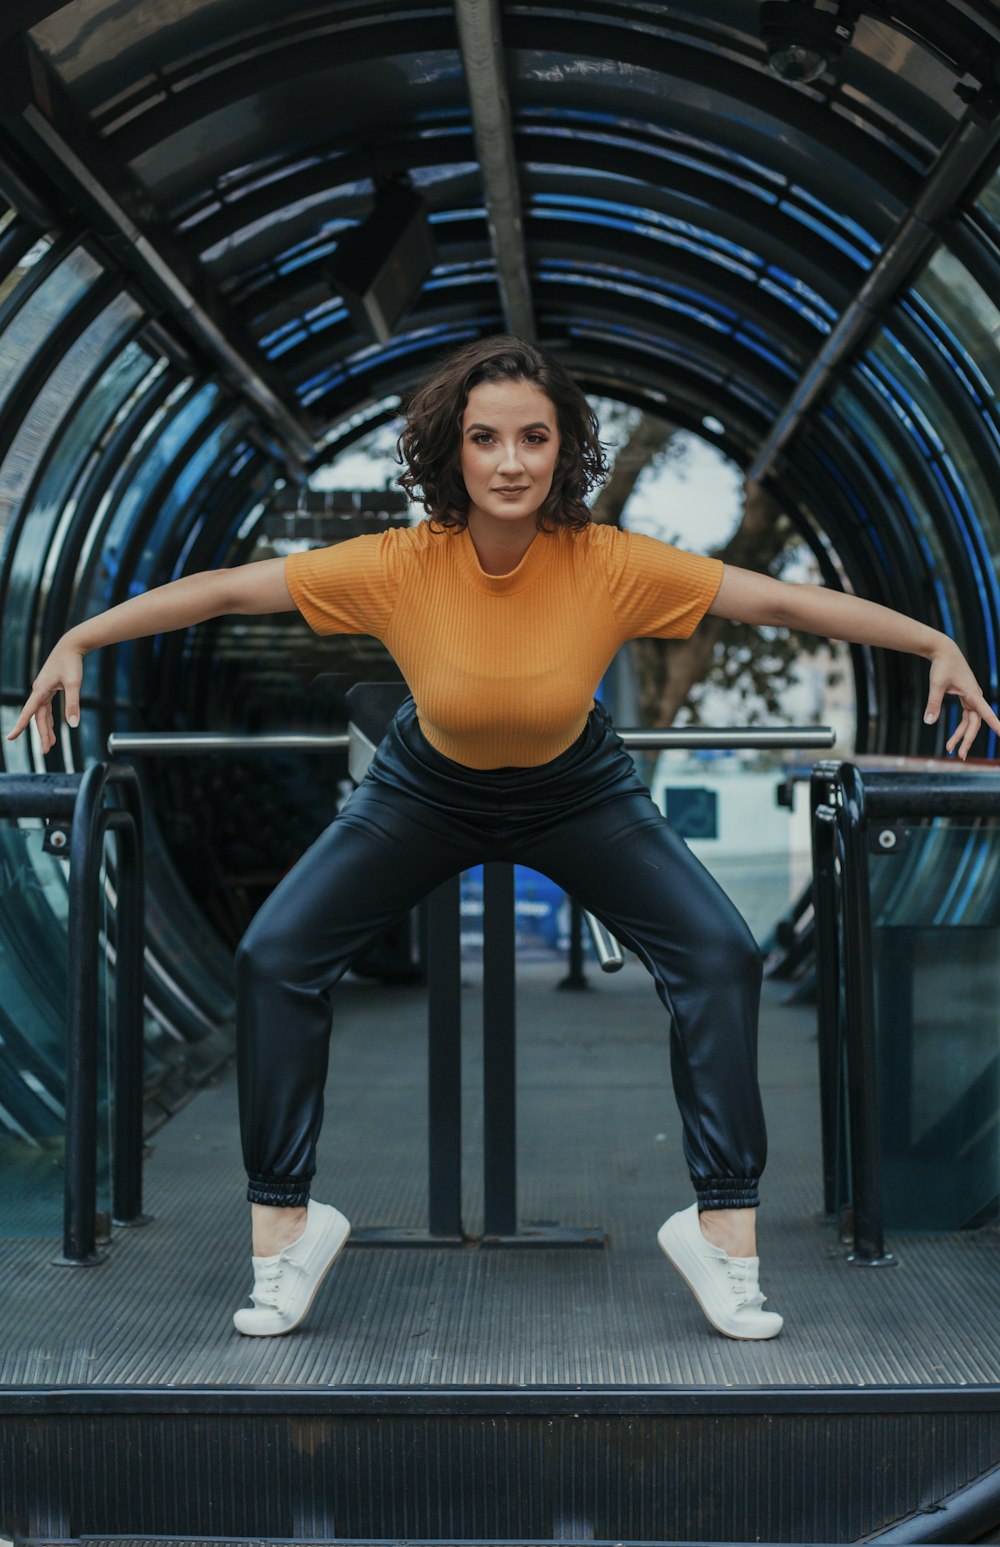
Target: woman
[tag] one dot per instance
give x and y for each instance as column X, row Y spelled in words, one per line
column 503, row 611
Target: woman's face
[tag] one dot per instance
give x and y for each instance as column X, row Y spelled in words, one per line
column 510, row 445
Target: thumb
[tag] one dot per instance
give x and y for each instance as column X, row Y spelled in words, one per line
column 933, row 708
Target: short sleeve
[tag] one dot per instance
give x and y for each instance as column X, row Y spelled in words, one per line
column 657, row 590
column 348, row 587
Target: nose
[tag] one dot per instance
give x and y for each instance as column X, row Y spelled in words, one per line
column 510, row 458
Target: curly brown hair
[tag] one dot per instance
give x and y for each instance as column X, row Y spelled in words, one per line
column 431, row 441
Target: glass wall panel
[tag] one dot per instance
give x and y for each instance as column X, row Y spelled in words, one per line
column 972, row 317
column 38, row 535
column 988, row 203
column 956, row 468
column 970, row 320
column 936, row 949
column 14, row 276
column 33, row 324
column 898, row 476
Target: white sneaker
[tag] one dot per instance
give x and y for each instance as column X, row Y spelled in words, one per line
column 725, row 1287
column 285, row 1285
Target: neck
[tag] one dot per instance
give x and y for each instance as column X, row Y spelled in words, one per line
column 502, row 539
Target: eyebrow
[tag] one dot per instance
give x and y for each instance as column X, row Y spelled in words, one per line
column 539, row 424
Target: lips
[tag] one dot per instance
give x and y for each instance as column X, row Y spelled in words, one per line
column 512, row 489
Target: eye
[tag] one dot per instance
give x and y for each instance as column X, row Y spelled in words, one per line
column 536, row 439
column 480, row 435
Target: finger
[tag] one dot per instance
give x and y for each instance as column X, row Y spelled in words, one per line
column 957, row 733
column 988, row 715
column 971, row 734
column 23, row 717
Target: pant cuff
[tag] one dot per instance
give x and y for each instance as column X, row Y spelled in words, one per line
column 727, row 1192
column 280, row 1192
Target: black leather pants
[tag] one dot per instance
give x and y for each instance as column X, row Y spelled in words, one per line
column 586, row 820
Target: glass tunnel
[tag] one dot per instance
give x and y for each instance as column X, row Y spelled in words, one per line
column 802, row 272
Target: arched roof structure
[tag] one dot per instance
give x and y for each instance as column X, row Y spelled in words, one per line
column 811, row 269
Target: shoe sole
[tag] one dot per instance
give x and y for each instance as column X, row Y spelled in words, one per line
column 281, row 1331
column 739, row 1337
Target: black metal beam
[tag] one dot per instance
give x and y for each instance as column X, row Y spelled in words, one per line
column 485, row 73
column 37, row 115
column 957, row 172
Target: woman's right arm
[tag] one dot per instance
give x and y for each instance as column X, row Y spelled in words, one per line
column 259, row 588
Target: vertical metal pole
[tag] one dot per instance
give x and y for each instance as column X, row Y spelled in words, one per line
column 827, row 988
column 575, row 977
column 126, row 1193
column 499, row 1051
column 444, row 1066
column 866, row 1158
column 80, row 1195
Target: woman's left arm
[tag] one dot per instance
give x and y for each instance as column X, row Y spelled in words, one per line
column 745, row 596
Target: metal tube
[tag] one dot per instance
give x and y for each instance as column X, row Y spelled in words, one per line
column 608, row 951
column 478, row 23
column 866, row 1158
column 575, row 977
column 137, row 743
column 756, row 736
column 444, row 1069
column 79, row 1199
column 126, row 1206
column 184, row 743
column 827, row 992
column 499, row 1052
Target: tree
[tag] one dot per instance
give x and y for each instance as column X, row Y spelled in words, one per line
column 757, row 663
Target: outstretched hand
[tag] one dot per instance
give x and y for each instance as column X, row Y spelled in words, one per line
column 951, row 673
column 63, row 668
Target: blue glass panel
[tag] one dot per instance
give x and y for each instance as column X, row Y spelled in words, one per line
column 55, row 413
column 376, row 355
column 835, row 217
column 33, row 324
column 634, row 217
column 828, row 233
column 935, row 936
column 900, row 487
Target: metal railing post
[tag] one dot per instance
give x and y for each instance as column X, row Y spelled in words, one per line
column 80, row 1199
column 499, row 1051
column 444, row 1060
column 127, row 1139
column 576, row 976
column 823, row 824
column 859, row 1010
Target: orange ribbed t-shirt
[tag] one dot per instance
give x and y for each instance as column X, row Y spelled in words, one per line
column 503, row 668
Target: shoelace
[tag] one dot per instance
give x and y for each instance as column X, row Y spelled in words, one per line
column 742, row 1277
column 267, row 1284
column 267, row 1281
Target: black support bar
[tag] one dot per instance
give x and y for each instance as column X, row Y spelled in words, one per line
column 499, row 1051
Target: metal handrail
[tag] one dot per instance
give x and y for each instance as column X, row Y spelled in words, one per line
column 79, row 798
column 606, row 946
column 175, row 743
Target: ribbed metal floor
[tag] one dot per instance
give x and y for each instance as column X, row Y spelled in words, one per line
column 599, row 1143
